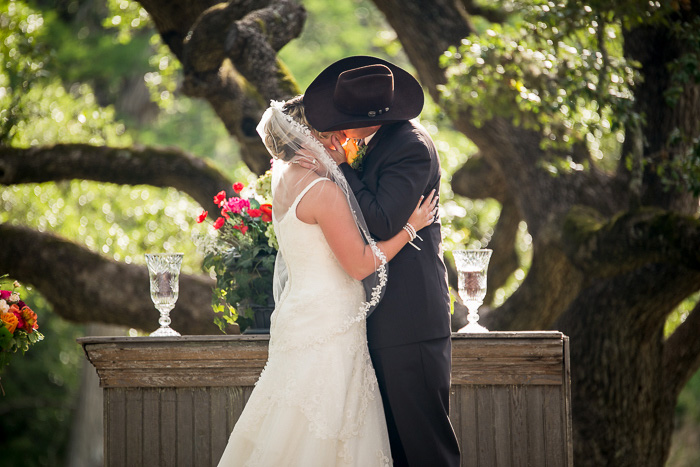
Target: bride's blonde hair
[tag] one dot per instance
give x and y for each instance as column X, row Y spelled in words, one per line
column 293, row 107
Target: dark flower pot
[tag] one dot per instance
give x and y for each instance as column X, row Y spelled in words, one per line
column 261, row 320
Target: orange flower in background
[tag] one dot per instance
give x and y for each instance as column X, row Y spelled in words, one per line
column 254, row 212
column 18, row 325
column 266, row 212
column 10, row 321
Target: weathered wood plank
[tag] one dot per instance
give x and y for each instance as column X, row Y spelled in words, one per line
column 134, row 426
column 456, row 413
column 501, row 422
column 468, row 425
column 202, row 426
column 567, row 404
column 535, row 426
column 115, row 426
column 485, row 423
column 167, row 427
column 185, row 427
column 151, row 424
column 219, row 428
column 554, row 426
column 518, row 426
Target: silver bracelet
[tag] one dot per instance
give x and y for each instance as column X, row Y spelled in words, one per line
column 415, row 232
column 412, row 234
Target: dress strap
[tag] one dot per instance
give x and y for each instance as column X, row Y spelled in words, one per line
column 304, row 191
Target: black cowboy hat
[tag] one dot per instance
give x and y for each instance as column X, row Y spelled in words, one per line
column 361, row 91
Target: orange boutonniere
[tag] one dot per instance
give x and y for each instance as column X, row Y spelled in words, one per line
column 354, row 153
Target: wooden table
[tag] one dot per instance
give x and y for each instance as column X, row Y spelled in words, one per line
column 172, row 401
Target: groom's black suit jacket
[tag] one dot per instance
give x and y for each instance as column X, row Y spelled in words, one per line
column 400, row 165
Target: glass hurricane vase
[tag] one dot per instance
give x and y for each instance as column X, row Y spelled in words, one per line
column 471, row 269
column 164, row 276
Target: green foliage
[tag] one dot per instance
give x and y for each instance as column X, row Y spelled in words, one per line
column 22, row 61
column 559, row 70
column 682, row 172
column 686, row 68
column 243, row 280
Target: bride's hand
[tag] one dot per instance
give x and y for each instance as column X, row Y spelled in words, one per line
column 306, row 159
column 425, row 212
column 337, row 152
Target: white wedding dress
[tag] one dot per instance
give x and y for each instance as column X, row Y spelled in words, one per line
column 317, row 402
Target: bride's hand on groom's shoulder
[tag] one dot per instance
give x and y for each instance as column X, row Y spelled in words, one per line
column 425, row 212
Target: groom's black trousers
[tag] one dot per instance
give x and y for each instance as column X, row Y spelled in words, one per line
column 414, row 380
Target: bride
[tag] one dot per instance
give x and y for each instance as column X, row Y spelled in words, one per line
column 317, row 402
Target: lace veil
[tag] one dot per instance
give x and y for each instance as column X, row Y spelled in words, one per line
column 287, row 140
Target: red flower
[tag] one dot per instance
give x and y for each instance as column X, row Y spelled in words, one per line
column 219, row 198
column 242, row 227
column 254, row 212
column 202, row 216
column 237, row 187
column 266, row 212
column 219, row 223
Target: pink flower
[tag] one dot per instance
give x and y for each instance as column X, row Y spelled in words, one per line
column 236, row 205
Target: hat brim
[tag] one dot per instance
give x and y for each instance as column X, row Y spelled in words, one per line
column 324, row 116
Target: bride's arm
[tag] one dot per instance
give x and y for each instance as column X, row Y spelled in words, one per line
column 325, row 205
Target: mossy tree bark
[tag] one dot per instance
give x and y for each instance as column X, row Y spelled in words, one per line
column 613, row 252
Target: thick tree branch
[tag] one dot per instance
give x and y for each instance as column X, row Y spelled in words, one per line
column 478, row 179
column 228, row 56
column 630, row 240
column 682, row 352
column 83, row 286
column 547, row 291
column 492, row 15
column 251, row 42
column 162, row 167
column 426, row 28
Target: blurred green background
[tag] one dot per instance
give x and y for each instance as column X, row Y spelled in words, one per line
column 94, row 72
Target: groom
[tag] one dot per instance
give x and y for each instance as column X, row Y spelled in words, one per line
column 409, row 332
